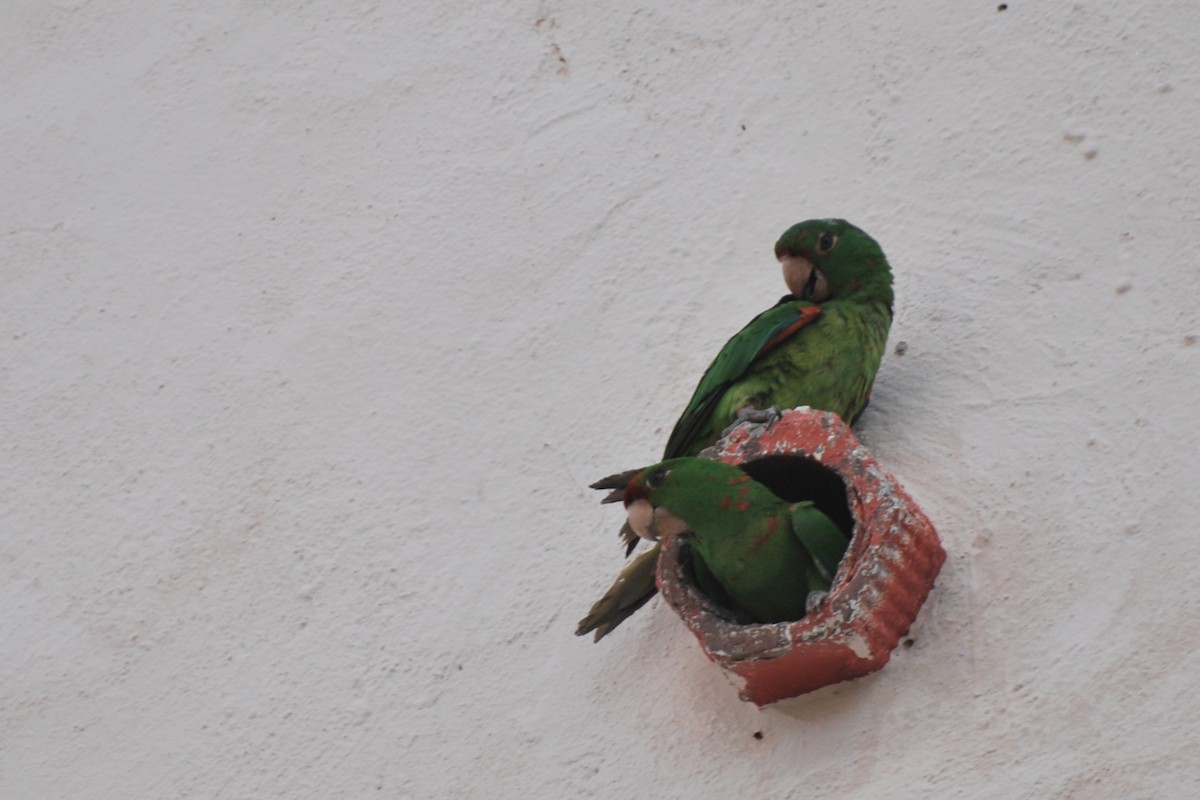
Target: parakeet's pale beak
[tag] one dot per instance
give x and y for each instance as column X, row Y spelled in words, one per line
column 653, row 523
column 803, row 279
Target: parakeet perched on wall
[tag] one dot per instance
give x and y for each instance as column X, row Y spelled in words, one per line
column 759, row 555
column 819, row 346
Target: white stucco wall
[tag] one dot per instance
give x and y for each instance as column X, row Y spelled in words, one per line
column 319, row 318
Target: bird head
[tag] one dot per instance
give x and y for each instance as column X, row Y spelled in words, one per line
column 668, row 498
column 823, row 258
column 644, row 499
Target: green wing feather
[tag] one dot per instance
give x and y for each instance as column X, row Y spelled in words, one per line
column 824, row 541
column 829, row 363
column 765, row 332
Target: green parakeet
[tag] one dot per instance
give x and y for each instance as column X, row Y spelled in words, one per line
column 818, row 346
column 761, row 556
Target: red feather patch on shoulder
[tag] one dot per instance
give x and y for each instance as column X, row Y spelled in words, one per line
column 808, row 315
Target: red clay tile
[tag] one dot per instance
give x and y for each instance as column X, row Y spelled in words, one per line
column 888, row 570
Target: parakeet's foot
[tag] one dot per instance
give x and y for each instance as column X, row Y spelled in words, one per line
column 814, row 601
column 769, row 415
column 752, row 414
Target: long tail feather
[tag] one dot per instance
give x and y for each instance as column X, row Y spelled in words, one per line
column 632, row 589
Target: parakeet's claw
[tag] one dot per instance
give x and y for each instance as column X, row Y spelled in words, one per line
column 770, row 415
column 751, row 414
column 815, row 599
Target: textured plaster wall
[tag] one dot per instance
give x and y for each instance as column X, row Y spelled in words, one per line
column 318, row 318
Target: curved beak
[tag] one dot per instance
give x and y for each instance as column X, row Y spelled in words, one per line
column 653, row 523
column 804, row 280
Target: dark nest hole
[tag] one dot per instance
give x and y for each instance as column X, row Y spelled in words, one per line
column 794, row 478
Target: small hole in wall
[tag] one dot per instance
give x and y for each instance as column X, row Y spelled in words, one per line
column 1002, row 7
column 758, row 734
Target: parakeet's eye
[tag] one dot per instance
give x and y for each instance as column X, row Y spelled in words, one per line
column 656, row 478
column 826, row 243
